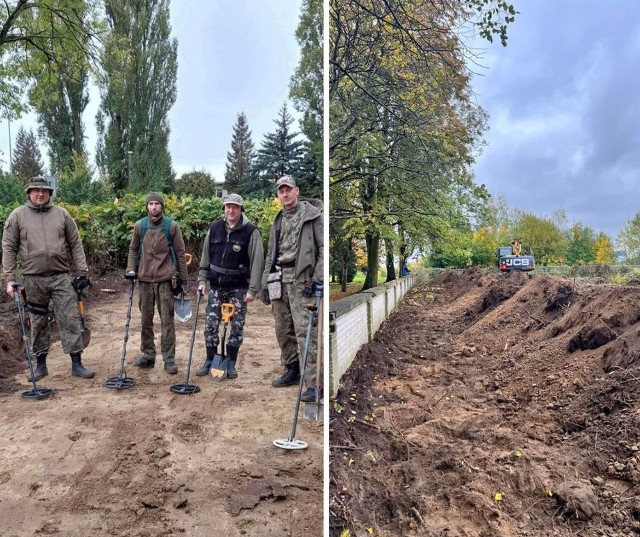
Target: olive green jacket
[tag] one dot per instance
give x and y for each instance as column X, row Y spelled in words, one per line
column 42, row 239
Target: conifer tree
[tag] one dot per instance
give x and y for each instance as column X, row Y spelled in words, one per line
column 237, row 176
column 281, row 153
column 27, row 159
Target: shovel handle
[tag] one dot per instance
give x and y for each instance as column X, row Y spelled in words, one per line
column 81, row 307
column 187, row 259
column 227, row 310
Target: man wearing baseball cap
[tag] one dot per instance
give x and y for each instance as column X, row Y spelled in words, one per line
column 41, row 234
column 232, row 261
column 156, row 257
column 296, row 251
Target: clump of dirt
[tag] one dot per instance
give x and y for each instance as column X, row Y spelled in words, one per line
column 493, row 404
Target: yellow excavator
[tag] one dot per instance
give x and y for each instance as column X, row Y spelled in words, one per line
column 511, row 258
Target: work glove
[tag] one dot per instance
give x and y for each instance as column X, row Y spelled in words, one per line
column 130, row 275
column 318, row 289
column 178, row 286
column 80, row 283
column 266, row 300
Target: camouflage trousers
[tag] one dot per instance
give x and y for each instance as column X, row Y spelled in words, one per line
column 213, row 317
column 158, row 295
column 55, row 288
column 291, row 322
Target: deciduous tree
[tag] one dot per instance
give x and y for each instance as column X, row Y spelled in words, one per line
column 34, row 29
column 138, row 89
column 629, row 239
column 307, row 90
column 605, row 252
column 199, row 184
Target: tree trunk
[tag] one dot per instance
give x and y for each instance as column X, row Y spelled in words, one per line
column 391, row 269
column 345, row 277
column 373, row 246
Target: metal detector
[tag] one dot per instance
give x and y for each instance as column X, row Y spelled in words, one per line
column 122, row 382
column 35, row 392
column 186, row 388
column 292, row 442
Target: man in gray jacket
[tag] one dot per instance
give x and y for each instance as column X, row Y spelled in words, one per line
column 296, row 250
column 40, row 234
column 232, row 262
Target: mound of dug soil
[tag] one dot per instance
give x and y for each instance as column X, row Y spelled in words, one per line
column 493, row 405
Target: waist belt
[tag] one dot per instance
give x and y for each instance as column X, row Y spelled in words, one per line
column 37, row 309
column 228, row 272
column 290, row 264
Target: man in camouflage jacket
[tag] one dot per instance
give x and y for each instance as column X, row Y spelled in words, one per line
column 295, row 248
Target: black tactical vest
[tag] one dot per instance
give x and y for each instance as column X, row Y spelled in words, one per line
column 229, row 256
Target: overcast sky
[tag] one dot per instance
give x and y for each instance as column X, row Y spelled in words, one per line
column 233, row 56
column 564, row 105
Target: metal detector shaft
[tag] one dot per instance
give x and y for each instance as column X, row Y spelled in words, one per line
column 305, row 354
column 193, row 335
column 23, row 332
column 126, row 328
column 35, row 393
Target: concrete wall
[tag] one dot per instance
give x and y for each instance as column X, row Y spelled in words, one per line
column 354, row 320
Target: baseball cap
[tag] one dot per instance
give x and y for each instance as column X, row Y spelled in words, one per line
column 286, row 180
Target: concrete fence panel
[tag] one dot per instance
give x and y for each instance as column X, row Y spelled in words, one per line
column 354, row 320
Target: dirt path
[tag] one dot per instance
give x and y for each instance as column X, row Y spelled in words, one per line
column 147, row 462
column 492, row 405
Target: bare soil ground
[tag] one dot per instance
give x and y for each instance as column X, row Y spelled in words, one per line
column 145, row 461
column 493, row 405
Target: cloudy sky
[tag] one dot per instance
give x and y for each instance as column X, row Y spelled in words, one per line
column 233, row 56
column 564, row 109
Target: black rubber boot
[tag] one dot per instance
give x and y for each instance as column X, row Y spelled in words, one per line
column 41, row 369
column 291, row 376
column 309, row 396
column 170, row 367
column 232, row 354
column 145, row 362
column 77, row 369
column 204, row 370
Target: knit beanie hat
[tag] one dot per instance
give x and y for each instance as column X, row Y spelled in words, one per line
column 155, row 196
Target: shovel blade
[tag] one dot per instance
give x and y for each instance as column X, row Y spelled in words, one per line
column 313, row 411
column 182, row 309
column 219, row 367
column 86, row 336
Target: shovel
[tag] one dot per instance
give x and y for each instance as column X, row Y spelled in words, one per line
column 315, row 410
column 85, row 330
column 220, row 363
column 182, row 306
column 186, row 388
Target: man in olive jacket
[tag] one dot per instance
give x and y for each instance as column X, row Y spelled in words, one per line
column 41, row 234
column 152, row 262
column 296, row 249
